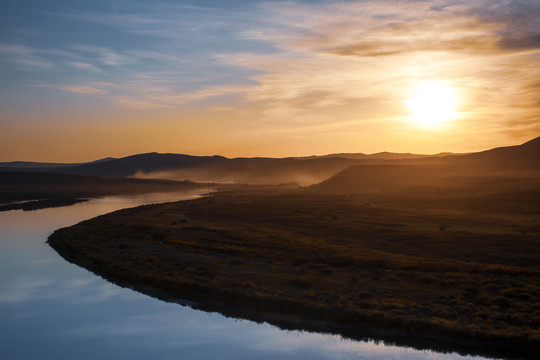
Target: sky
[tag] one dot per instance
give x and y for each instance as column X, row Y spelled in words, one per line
column 83, row 80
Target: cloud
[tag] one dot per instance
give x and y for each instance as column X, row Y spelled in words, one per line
column 83, row 89
column 24, row 57
column 371, row 28
column 514, row 23
column 473, row 44
column 155, row 97
column 324, row 64
column 168, row 20
column 83, row 66
column 105, row 55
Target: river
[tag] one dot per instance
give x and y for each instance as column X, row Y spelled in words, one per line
column 51, row 309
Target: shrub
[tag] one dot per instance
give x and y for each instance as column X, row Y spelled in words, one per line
column 365, row 295
column 484, row 300
column 303, row 283
column 247, row 284
column 502, row 301
column 472, row 290
column 327, row 271
column 523, row 296
column 507, row 293
column 424, row 279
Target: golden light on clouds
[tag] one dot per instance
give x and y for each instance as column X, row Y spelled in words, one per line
column 433, row 103
column 314, row 77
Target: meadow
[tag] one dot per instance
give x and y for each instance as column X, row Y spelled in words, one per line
column 455, row 272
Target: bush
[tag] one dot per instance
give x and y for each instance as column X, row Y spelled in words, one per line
column 247, row 284
column 507, row 293
column 472, row 290
column 484, row 300
column 423, row 279
column 327, row 271
column 303, row 283
column 502, row 301
column 523, row 296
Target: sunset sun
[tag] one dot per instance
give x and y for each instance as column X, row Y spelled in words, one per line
column 432, row 103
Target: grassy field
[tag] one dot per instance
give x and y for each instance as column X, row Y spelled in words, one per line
column 453, row 273
column 38, row 190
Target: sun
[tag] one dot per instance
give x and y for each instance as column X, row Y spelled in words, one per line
column 432, row 103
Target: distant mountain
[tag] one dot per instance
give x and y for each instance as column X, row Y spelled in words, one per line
column 302, row 170
column 499, row 168
column 142, row 163
column 382, row 156
column 30, row 165
column 214, row 168
column 18, row 186
column 527, row 154
column 21, row 165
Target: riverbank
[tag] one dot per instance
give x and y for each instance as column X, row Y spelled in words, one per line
column 40, row 204
column 38, row 189
column 433, row 277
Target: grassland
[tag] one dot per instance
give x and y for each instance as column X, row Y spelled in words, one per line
column 453, row 273
column 38, row 190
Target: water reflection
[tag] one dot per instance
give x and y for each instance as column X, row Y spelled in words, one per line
column 52, row 309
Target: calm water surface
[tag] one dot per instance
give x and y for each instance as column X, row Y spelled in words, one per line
column 51, row 309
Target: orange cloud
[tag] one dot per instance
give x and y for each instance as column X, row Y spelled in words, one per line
column 83, row 89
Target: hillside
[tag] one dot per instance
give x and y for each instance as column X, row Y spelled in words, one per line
column 21, row 186
column 435, row 253
column 270, row 171
column 527, row 154
column 451, row 276
column 32, row 165
column 497, row 170
column 302, row 170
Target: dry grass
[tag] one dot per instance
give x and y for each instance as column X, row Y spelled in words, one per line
column 432, row 268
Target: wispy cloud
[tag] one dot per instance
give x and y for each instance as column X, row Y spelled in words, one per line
column 104, row 55
column 24, row 57
column 514, row 23
column 168, row 20
column 83, row 89
column 299, row 66
column 83, row 66
column 372, row 52
column 378, row 28
column 164, row 97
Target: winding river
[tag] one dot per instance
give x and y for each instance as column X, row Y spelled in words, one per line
column 51, row 309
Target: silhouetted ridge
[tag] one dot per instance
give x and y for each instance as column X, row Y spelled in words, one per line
column 527, row 154
column 146, row 163
column 495, row 170
column 370, row 178
column 302, row 170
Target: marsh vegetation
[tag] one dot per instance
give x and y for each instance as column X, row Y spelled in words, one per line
column 458, row 273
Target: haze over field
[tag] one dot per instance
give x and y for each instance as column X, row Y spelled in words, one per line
column 363, row 168
column 85, row 80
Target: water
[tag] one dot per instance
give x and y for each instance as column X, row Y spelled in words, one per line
column 51, row 309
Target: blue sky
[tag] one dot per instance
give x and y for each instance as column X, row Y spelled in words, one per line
column 263, row 78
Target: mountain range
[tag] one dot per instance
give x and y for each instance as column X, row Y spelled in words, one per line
column 496, row 170
column 302, row 170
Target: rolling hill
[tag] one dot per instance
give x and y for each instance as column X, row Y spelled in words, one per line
column 21, row 186
column 496, row 170
column 302, row 170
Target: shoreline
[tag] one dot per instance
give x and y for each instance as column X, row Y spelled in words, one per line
column 204, row 285
column 285, row 321
column 31, row 205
